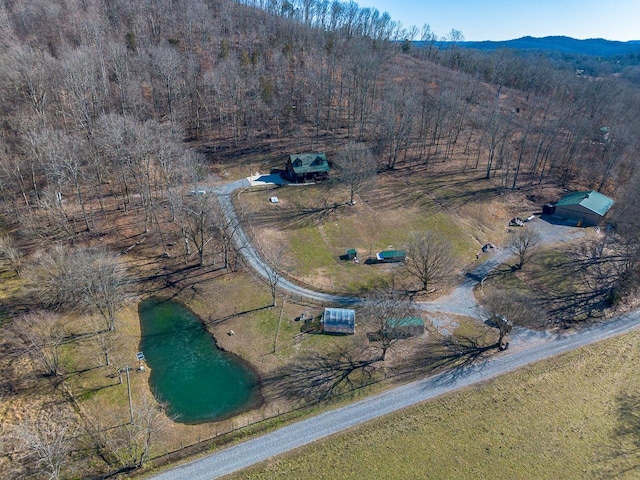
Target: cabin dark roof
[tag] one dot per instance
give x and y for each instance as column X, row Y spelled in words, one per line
column 309, row 163
column 339, row 320
column 591, row 200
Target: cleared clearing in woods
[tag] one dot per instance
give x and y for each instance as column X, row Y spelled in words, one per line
column 316, row 226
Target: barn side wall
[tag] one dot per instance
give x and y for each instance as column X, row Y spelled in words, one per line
column 578, row 212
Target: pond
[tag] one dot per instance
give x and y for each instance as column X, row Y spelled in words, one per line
column 189, row 373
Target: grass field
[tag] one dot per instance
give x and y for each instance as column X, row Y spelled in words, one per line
column 574, row 416
column 316, row 227
column 566, row 285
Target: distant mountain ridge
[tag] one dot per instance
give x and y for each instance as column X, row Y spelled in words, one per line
column 594, row 47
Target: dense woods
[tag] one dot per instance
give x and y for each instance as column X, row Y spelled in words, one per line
column 99, row 97
column 113, row 113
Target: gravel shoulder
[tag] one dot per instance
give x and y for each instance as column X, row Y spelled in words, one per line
column 293, row 436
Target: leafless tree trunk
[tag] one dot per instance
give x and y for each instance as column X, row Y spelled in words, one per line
column 381, row 311
column 276, row 266
column 10, row 254
column 226, row 230
column 524, row 243
column 40, row 335
column 197, row 222
column 358, row 168
column 507, row 309
column 45, row 443
column 132, row 442
column 106, row 341
column 429, row 258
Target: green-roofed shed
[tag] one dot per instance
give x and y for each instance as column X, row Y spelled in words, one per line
column 587, row 208
column 391, row 256
column 405, row 327
column 307, row 166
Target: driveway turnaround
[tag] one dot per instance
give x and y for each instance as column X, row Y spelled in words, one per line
column 248, row 453
column 460, row 301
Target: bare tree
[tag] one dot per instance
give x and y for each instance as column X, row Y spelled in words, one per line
column 47, row 278
column 10, row 254
column 624, row 242
column 44, row 443
column 524, row 243
column 32, row 74
column 40, row 335
column 225, row 228
column 276, row 265
column 429, row 258
column 197, row 222
column 396, row 118
column 106, row 340
column 63, row 160
column 50, row 221
column 506, row 309
column 358, row 168
column 85, row 279
column 132, row 442
column 102, row 282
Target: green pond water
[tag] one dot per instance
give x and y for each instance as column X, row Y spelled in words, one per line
column 197, row 381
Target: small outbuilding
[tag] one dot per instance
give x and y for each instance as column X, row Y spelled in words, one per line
column 391, row 256
column 586, row 208
column 339, row 320
column 405, row 327
column 304, row 167
column 351, row 254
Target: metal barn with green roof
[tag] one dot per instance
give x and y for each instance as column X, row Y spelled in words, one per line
column 587, row 208
column 391, row 256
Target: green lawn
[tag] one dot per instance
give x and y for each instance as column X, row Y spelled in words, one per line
column 315, row 232
column 561, row 282
column 562, row 418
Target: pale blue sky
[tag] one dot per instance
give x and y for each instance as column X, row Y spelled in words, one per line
column 509, row 19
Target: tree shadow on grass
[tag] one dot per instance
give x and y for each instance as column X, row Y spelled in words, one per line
column 217, row 321
column 320, row 376
column 443, row 191
column 567, row 309
column 296, row 217
column 575, row 289
column 621, row 457
column 180, row 279
column 450, row 355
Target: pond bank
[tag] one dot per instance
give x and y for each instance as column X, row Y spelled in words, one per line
column 197, row 380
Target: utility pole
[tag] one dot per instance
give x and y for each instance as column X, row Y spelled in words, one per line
column 127, row 368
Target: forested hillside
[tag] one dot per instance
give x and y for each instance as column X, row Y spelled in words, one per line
column 114, row 113
column 85, row 81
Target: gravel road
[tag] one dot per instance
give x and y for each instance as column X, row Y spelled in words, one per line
column 248, row 453
column 242, row 242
